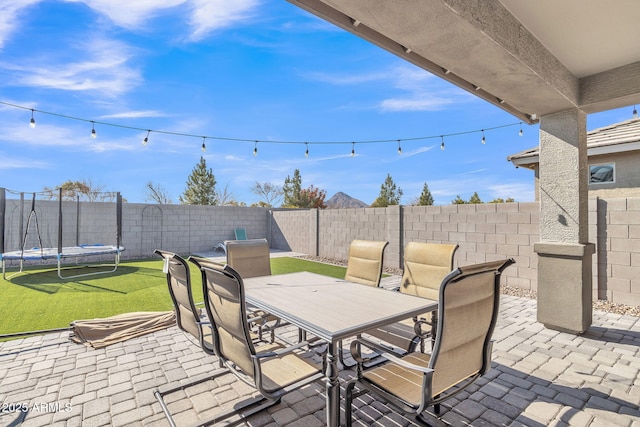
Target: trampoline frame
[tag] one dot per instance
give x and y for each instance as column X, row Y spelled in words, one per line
column 60, row 255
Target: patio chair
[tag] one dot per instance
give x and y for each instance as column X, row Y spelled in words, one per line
column 364, row 262
column 364, row 266
column 239, row 233
column 468, row 309
column 188, row 318
column 425, row 266
column 272, row 369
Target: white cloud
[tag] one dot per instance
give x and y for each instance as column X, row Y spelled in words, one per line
column 106, row 69
column 7, row 162
column 130, row 13
column 134, row 114
column 210, row 15
column 10, row 11
column 418, row 90
column 417, row 151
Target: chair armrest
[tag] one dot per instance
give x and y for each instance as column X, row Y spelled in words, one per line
column 417, row 328
column 382, row 352
column 281, row 351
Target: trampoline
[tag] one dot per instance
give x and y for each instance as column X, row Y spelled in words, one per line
column 61, row 253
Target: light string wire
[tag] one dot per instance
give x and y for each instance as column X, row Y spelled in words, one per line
column 256, row 141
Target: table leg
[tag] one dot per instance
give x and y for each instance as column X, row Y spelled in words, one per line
column 333, row 386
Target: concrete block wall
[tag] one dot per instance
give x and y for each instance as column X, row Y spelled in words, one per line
column 294, row 230
column 186, row 229
column 614, row 225
column 338, row 227
column 484, row 232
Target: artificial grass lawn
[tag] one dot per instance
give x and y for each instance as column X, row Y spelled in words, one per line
column 38, row 299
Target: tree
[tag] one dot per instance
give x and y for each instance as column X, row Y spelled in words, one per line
column 157, row 193
column 84, row 190
column 475, row 199
column 225, row 197
column 297, row 197
column 291, row 190
column 390, row 194
column 501, row 200
column 271, row 194
column 458, row 201
column 312, row 198
column 201, row 186
column 426, row 199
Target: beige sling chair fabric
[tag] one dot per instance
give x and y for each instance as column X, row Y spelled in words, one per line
column 99, row 333
column 425, row 265
column 365, row 261
column 250, row 258
column 189, row 318
column 467, row 311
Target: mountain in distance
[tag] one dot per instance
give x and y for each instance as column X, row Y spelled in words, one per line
column 342, row 200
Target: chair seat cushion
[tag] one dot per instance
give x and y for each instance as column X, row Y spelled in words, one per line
column 281, row 371
column 402, row 382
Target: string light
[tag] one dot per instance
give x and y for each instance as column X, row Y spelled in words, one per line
column 93, row 130
column 145, row 141
column 353, row 149
column 306, row 153
column 484, row 140
column 204, row 147
column 635, row 112
column 255, row 149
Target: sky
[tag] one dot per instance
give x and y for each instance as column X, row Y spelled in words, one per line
column 237, row 72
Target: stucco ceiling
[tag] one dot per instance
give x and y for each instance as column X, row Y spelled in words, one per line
column 531, row 58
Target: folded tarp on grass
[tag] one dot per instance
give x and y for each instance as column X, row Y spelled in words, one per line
column 99, row 333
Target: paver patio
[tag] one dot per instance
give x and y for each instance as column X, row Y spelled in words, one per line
column 539, row 377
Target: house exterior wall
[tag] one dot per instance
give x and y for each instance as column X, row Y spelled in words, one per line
column 627, row 181
column 627, row 175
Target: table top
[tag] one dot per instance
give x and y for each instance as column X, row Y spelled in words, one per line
column 331, row 309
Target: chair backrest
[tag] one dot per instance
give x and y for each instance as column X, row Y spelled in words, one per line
column 250, row 258
column 425, row 265
column 225, row 304
column 179, row 283
column 467, row 313
column 240, row 233
column 364, row 262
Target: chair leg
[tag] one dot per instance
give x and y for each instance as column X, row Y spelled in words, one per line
column 348, row 401
column 341, row 358
column 255, row 404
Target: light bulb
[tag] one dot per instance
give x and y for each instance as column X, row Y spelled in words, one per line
column 306, row 153
column 204, row 147
column 145, row 141
column 483, row 138
column 32, row 123
column 399, row 148
column 635, row 112
column 255, row 149
column 353, row 149
column 520, row 133
column 93, row 131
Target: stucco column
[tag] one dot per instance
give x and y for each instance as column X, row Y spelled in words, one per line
column 564, row 254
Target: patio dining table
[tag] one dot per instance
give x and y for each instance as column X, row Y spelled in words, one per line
column 332, row 310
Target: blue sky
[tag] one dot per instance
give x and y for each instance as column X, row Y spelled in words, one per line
column 260, row 70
